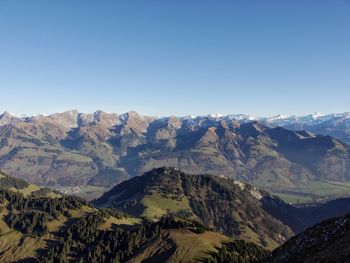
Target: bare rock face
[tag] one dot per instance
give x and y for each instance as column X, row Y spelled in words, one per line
column 68, row 119
column 6, row 118
column 100, row 118
column 133, row 120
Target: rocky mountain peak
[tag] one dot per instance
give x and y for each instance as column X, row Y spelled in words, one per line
column 68, row 119
column 135, row 121
column 7, row 118
column 105, row 119
column 6, row 114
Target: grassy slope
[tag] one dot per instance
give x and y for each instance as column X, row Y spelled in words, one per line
column 192, row 245
column 17, row 246
column 316, row 191
column 181, row 246
column 112, row 221
column 13, row 245
column 307, row 192
column 189, row 246
column 157, row 205
column 29, row 189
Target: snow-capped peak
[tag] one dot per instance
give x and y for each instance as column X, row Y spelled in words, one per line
column 242, row 117
column 216, row 115
column 317, row 115
column 30, row 115
column 279, row 117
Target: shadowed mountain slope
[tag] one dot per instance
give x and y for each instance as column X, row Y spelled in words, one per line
column 324, row 242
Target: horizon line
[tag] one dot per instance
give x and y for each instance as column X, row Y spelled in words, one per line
column 213, row 115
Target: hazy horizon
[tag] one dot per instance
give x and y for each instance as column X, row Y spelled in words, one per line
column 218, row 114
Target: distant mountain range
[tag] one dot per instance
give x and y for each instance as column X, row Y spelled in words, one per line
column 336, row 125
column 101, row 149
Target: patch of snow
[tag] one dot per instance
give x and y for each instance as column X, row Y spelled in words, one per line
column 317, row 115
column 216, row 115
column 280, row 117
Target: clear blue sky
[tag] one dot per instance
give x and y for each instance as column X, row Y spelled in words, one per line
column 175, row 57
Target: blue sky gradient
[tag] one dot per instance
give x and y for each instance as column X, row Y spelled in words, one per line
column 175, row 57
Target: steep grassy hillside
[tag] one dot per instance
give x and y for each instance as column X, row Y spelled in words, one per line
column 223, row 204
column 180, row 245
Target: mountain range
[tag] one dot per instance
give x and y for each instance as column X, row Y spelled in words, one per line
column 336, row 125
column 101, row 150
